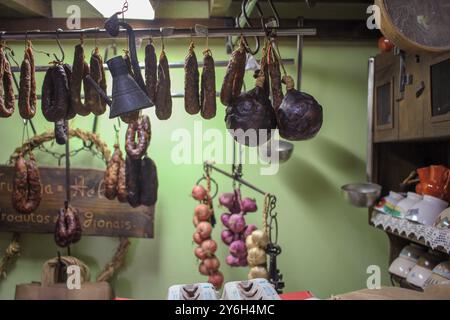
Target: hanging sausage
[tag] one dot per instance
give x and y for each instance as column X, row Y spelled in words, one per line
column 26, row 193
column 7, row 98
column 208, row 87
column 27, row 85
column 55, row 94
column 142, row 129
column 80, row 69
column 163, row 102
column 150, row 71
column 94, row 102
column 234, row 76
column 191, row 82
column 68, row 227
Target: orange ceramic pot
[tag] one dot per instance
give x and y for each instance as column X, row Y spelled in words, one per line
column 434, row 181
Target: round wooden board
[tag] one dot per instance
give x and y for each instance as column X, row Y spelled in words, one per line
column 416, row 25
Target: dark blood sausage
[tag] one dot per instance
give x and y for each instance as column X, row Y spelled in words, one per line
column 79, row 70
column 7, row 98
column 68, row 227
column 275, row 79
column 234, row 76
column 133, row 172
column 150, row 71
column 26, row 194
column 121, row 182
column 208, row 87
column 95, row 103
column 149, row 182
column 163, row 103
column 71, row 113
column 191, row 79
column 55, row 94
column 112, row 174
column 61, row 131
column 142, row 129
column 27, row 87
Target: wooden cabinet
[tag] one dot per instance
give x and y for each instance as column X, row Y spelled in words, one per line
column 385, row 104
column 422, row 110
column 437, row 96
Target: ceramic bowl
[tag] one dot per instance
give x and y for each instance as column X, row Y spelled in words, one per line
column 427, row 210
column 441, row 274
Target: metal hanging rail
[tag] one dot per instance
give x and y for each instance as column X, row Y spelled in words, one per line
column 156, row 33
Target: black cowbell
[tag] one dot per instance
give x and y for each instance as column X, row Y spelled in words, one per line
column 127, row 96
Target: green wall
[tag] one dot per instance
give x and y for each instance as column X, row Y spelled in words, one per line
column 327, row 244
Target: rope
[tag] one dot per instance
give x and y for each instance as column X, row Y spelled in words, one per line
column 12, row 252
column 116, row 262
column 50, row 270
column 289, row 82
column 265, row 213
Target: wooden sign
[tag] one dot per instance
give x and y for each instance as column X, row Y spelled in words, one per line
column 99, row 216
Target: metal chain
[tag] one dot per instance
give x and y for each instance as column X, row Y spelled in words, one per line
column 273, row 221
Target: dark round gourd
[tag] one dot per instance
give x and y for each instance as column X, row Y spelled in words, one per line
column 300, row 116
column 250, row 111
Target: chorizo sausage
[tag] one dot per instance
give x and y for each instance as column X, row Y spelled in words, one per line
column 148, row 182
column 27, row 86
column 150, row 71
column 55, row 94
column 234, row 76
column 7, row 98
column 275, row 78
column 112, row 174
column 26, row 194
column 208, row 87
column 68, row 227
column 163, row 103
column 142, row 127
column 95, row 103
column 61, row 131
column 191, row 79
column 121, row 183
column 79, row 71
column 133, row 172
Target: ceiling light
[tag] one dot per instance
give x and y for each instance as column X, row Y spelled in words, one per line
column 137, row 9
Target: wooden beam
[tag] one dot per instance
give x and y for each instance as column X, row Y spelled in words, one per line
column 219, row 8
column 41, row 8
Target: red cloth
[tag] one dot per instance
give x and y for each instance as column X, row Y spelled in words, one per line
column 302, row 295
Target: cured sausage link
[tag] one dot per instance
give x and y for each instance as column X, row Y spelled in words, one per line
column 208, row 87
column 79, row 70
column 7, row 98
column 191, row 79
column 163, row 103
column 27, row 86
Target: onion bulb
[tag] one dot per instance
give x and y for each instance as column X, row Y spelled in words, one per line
column 197, row 238
column 200, row 253
column 258, row 272
column 249, row 229
column 199, row 193
column 227, row 237
column 202, row 212
column 260, row 238
column 205, row 229
column 203, row 269
column 236, row 223
column 216, row 279
column 256, row 257
column 209, row 246
column 232, row 261
column 248, row 205
column 212, row 264
column 195, row 221
column 238, row 249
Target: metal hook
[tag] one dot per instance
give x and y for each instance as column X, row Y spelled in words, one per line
column 275, row 12
column 60, row 47
column 248, row 22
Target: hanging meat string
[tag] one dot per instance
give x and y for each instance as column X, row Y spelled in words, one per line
column 191, row 82
column 95, row 103
column 27, row 85
column 7, row 98
column 80, row 69
column 251, row 116
column 299, row 115
column 208, row 87
column 151, row 67
column 163, row 102
column 234, row 75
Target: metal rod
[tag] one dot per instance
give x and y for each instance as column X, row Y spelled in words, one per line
column 370, row 90
column 299, row 55
column 237, row 178
column 173, row 65
column 149, row 32
column 66, row 203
